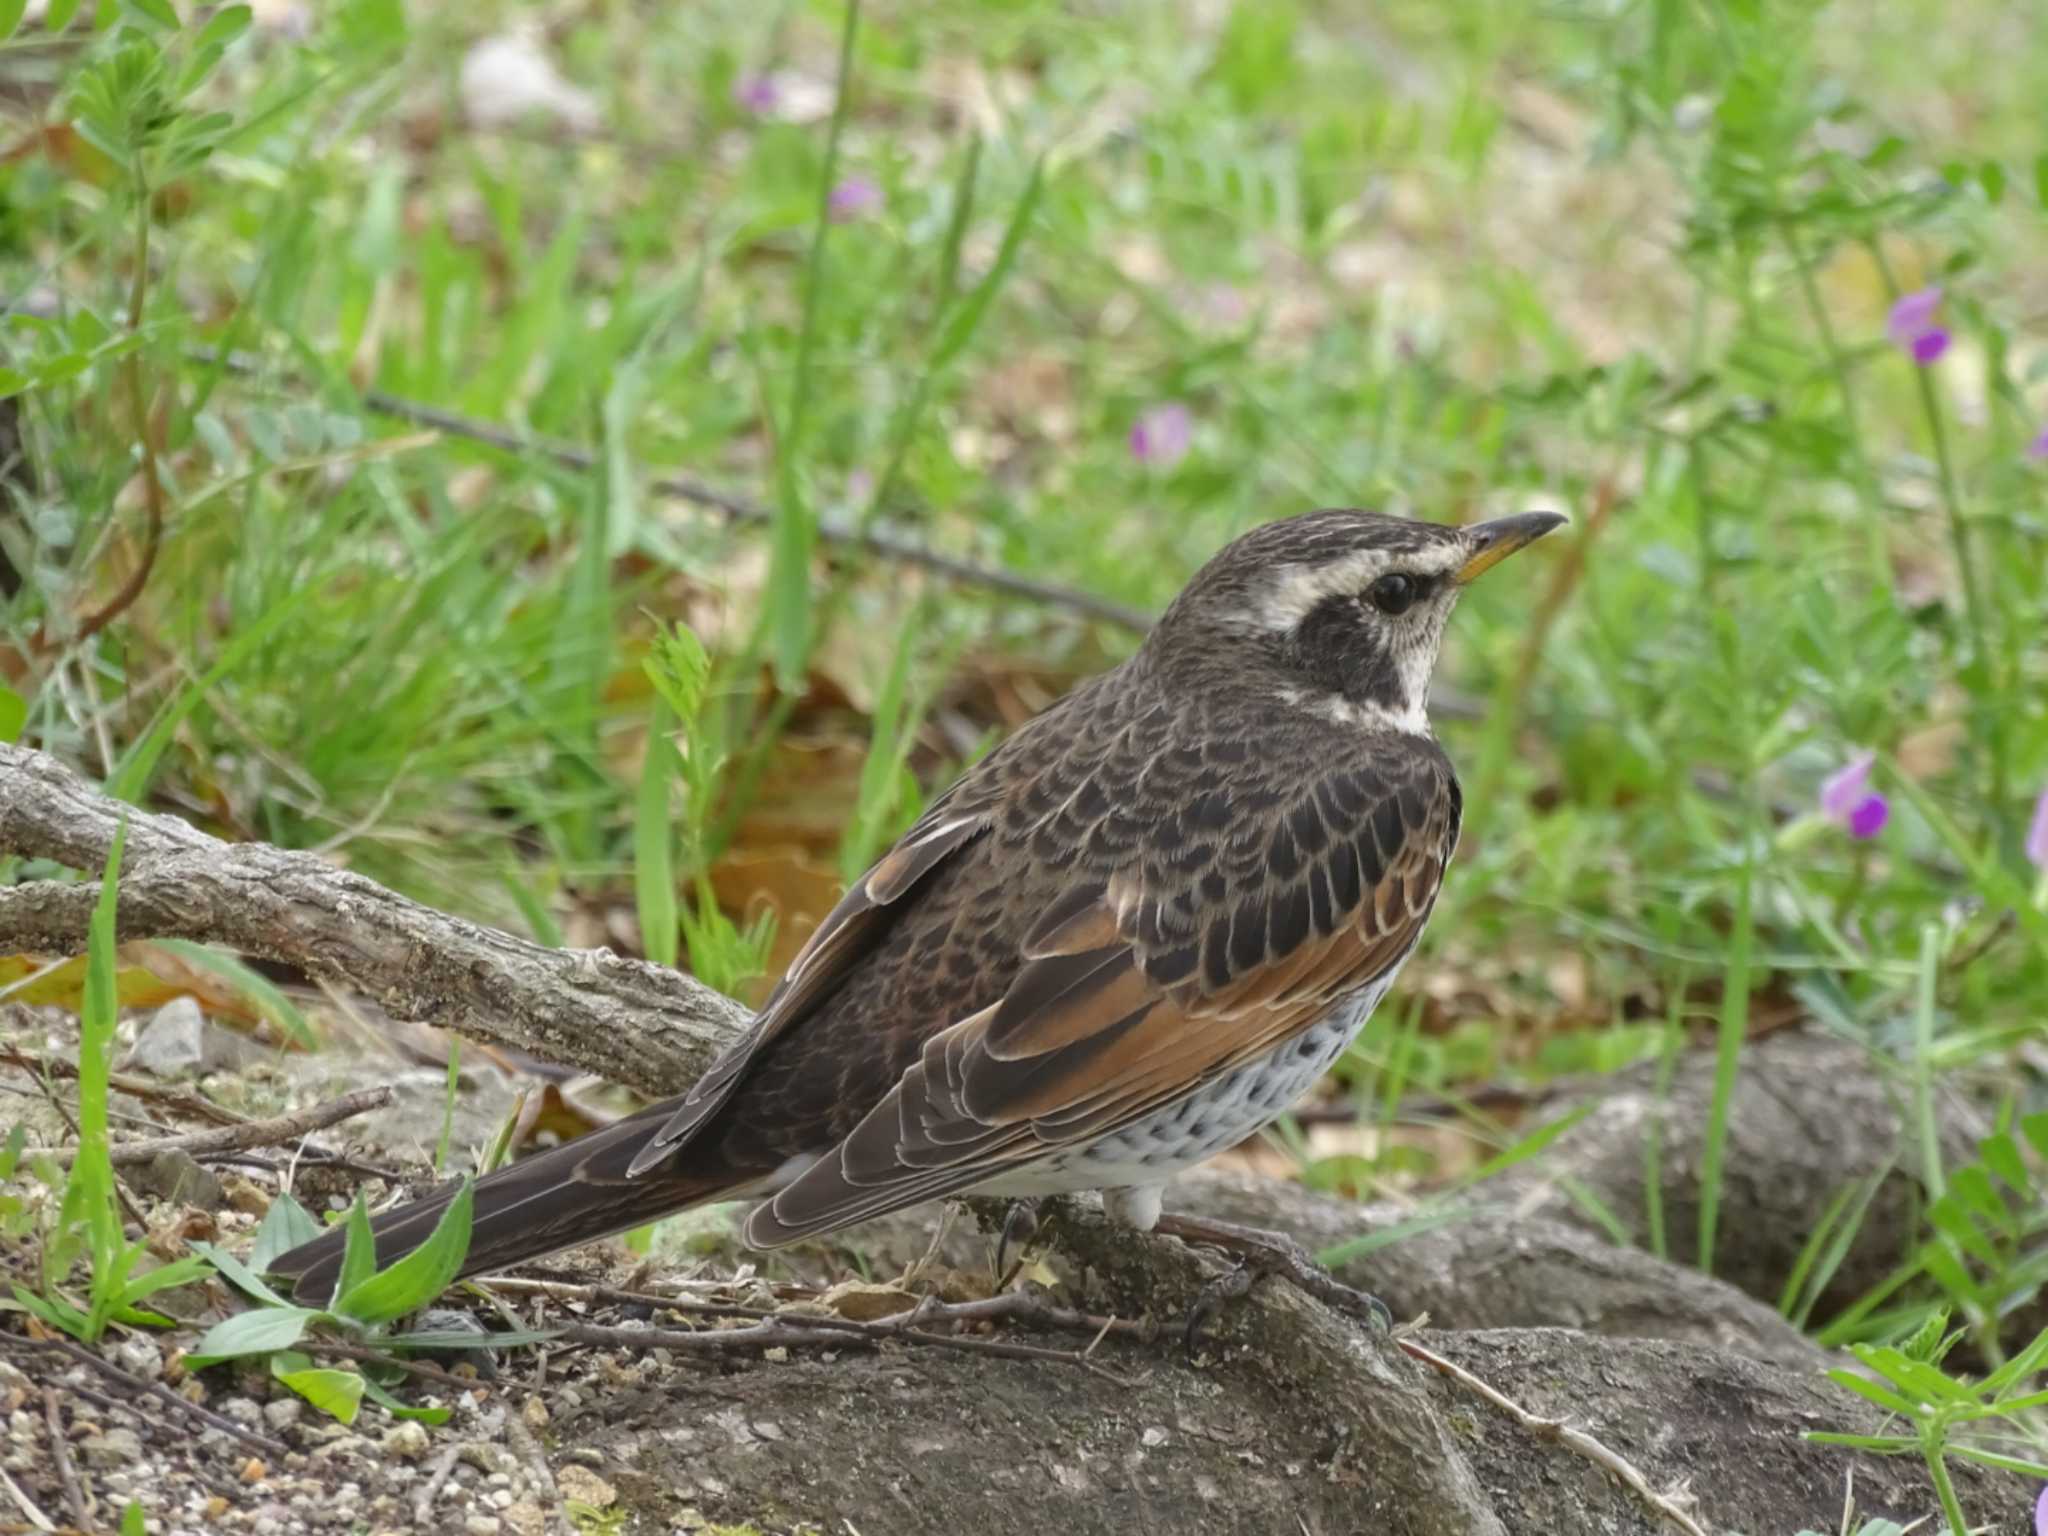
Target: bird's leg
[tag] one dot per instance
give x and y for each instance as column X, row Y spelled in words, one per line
column 1020, row 1226
column 1266, row 1253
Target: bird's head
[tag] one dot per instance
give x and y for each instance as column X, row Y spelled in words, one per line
column 1342, row 611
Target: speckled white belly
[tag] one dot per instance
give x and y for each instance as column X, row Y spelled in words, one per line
column 1193, row 1129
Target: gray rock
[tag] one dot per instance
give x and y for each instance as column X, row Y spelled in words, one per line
column 173, row 1042
column 174, row 1176
column 139, row 1353
column 113, row 1448
column 282, row 1413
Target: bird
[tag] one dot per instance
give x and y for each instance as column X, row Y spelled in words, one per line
column 1132, row 935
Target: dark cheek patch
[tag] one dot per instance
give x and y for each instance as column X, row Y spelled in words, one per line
column 1346, row 651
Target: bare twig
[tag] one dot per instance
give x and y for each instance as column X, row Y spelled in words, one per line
column 60, row 1458
column 135, row 1087
column 622, row 1019
column 330, row 1350
column 30, row 1510
column 1576, row 1441
column 728, row 504
column 769, row 1328
column 155, row 1389
column 250, row 1133
column 436, row 1481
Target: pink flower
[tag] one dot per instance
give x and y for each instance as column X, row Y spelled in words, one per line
column 1847, row 798
column 854, row 198
column 1160, row 436
column 1912, row 329
column 755, row 93
column 2037, row 834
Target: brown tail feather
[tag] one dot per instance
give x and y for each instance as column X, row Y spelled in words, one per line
column 573, row 1194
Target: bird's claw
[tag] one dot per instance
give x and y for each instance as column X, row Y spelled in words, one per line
column 1020, row 1226
column 1268, row 1253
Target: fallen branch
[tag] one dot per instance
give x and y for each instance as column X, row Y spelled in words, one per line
column 623, row 1019
column 250, row 1133
column 1574, row 1440
column 728, row 504
column 788, row 1327
column 155, row 1389
column 60, row 1457
column 30, row 1509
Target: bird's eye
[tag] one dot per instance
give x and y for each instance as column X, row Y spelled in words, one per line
column 1393, row 593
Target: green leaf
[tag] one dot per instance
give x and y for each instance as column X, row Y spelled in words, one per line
column 960, row 328
column 132, row 774
column 13, row 707
column 256, row 1332
column 156, row 11
column 11, row 12
column 654, row 873
column 359, row 1251
column 1863, row 1386
column 163, row 1277
column 12, row 382
column 243, row 1278
column 391, row 1405
column 286, row 1225
column 421, row 1275
column 337, row 1393
column 134, row 1519
column 10, row 1153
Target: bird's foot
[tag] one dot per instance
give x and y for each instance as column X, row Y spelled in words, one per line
column 1265, row 1253
column 1021, row 1227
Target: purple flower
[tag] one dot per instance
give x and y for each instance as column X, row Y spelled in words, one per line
column 755, row 93
column 2038, row 448
column 1847, row 798
column 1929, row 345
column 2041, row 1514
column 854, row 198
column 2037, row 849
column 1912, row 329
column 1160, row 435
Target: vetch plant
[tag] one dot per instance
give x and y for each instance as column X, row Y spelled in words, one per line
column 1847, row 799
column 1913, row 328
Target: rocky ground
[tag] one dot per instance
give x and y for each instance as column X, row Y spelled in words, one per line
column 1288, row 1417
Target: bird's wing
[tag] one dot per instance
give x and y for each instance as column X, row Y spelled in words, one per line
column 1139, row 990
column 847, row 932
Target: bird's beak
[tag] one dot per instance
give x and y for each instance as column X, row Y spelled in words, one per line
column 1492, row 542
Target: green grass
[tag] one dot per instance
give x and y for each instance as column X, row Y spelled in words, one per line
column 1632, row 260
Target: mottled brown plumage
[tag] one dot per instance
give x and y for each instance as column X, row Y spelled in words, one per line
column 1131, row 935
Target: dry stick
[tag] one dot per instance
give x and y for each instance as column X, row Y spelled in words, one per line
column 60, row 1457
column 1013, row 1306
column 419, row 1368
column 250, row 1133
column 436, row 1480
column 135, row 1087
column 27, row 1505
column 728, row 504
column 154, row 1389
column 771, row 1329
column 623, row 1019
column 1574, row 1440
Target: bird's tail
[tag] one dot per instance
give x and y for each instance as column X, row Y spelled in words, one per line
column 572, row 1194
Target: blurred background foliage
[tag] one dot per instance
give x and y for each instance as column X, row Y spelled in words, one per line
column 457, row 439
